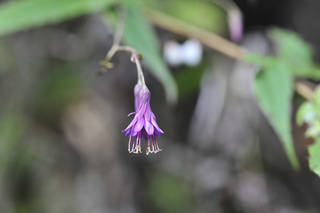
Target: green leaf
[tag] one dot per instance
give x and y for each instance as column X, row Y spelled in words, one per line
column 260, row 60
column 316, row 97
column 296, row 52
column 312, row 71
column 314, row 157
column 204, row 14
column 274, row 89
column 292, row 47
column 24, row 14
column 138, row 33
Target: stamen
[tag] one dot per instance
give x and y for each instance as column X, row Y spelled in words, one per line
column 156, row 145
column 135, row 145
column 140, row 150
column 148, row 147
column 129, row 145
column 152, row 145
column 138, row 146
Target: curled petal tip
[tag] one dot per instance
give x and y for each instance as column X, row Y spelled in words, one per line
column 131, row 113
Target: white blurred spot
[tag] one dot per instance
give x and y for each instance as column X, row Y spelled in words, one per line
column 192, row 52
column 189, row 53
column 172, row 53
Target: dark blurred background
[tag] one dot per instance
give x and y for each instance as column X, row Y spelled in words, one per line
column 61, row 146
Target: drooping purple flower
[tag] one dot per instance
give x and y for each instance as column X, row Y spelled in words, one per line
column 144, row 123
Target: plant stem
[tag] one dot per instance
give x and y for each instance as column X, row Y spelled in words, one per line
column 207, row 38
column 116, row 47
column 134, row 58
column 211, row 40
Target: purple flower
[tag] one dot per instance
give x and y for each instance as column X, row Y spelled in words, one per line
column 144, row 123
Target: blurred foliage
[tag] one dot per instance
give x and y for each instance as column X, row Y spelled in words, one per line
column 294, row 58
column 193, row 12
column 25, row 14
column 297, row 53
column 170, row 194
column 292, row 48
column 138, row 33
column 309, row 113
column 275, row 100
column 274, row 85
column 59, row 87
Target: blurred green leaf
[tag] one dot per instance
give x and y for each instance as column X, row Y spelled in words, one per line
column 296, row 52
column 138, row 33
column 292, row 47
column 314, row 157
column 309, row 113
column 262, row 61
column 312, row 71
column 294, row 59
column 203, row 14
column 316, row 97
column 274, row 90
column 24, row 14
column 306, row 113
column 293, row 51
column 60, row 86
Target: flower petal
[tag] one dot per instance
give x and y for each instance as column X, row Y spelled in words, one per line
column 132, row 123
column 131, row 113
column 148, row 127
column 139, row 125
column 140, row 112
column 148, row 113
column 154, row 123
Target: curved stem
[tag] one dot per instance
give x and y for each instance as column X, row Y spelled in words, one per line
column 134, row 58
column 139, row 70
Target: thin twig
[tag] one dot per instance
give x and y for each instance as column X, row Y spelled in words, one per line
column 212, row 41
column 116, row 47
column 135, row 58
column 206, row 38
column 116, row 41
